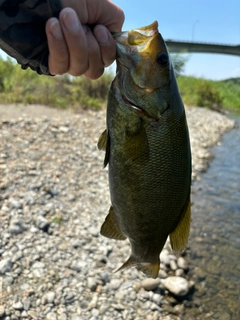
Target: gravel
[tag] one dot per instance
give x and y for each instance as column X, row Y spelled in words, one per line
column 53, row 199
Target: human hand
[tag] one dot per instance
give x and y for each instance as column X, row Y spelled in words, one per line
column 76, row 49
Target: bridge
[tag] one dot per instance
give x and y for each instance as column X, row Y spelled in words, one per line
column 185, row 46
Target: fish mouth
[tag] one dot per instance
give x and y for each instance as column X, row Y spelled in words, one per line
column 138, row 110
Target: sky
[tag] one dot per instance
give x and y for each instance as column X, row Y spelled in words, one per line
column 214, row 21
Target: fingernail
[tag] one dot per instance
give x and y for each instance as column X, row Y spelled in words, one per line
column 56, row 29
column 71, row 20
column 101, row 34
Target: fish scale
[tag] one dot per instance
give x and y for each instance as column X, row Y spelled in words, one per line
column 147, row 150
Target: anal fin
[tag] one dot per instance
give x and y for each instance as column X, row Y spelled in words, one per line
column 179, row 237
column 110, row 227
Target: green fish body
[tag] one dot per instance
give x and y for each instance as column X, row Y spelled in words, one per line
column 147, row 150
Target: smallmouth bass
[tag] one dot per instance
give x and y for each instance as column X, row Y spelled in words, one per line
column 147, row 149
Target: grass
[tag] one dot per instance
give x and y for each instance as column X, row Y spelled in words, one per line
column 212, row 94
column 18, row 86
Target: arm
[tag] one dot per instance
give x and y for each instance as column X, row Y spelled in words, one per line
column 22, row 31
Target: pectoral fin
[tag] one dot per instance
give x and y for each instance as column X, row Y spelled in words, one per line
column 179, row 237
column 104, row 145
column 110, row 227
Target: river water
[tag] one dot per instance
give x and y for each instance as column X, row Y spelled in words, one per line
column 214, row 254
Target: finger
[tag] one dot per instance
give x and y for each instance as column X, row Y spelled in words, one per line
column 58, row 53
column 75, row 37
column 106, row 13
column 98, row 12
column 95, row 63
column 106, row 44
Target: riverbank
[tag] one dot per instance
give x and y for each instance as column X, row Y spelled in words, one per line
column 54, row 197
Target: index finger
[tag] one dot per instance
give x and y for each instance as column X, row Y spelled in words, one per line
column 102, row 12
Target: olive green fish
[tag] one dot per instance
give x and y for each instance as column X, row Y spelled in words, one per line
column 147, row 150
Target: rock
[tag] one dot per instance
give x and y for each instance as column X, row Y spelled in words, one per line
column 150, row 284
column 26, row 303
column 179, row 272
column 48, row 297
column 92, row 283
column 162, row 274
column 182, row 264
column 2, row 311
column 33, row 314
column 51, row 316
column 115, row 284
column 176, row 285
column 173, row 265
column 17, row 226
column 5, row 266
column 15, row 204
column 164, row 257
column 157, row 298
column 42, row 223
column 62, row 316
column 18, row 305
column 17, row 256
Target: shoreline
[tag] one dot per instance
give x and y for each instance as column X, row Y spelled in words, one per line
column 54, row 193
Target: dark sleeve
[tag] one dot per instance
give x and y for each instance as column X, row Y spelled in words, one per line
column 22, row 31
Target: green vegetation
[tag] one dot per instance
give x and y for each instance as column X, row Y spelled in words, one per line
column 18, row 86
column 212, row 94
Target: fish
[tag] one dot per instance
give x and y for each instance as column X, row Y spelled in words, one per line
column 147, row 150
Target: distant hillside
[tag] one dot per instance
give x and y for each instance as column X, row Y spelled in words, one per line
column 235, row 81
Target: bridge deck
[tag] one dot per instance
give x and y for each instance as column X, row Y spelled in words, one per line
column 184, row 46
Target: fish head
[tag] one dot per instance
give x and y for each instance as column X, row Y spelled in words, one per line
column 144, row 69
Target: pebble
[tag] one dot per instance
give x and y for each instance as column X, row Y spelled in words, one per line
column 17, row 226
column 5, row 266
column 2, row 311
column 177, row 285
column 150, row 284
column 54, row 264
column 182, row 264
column 42, row 223
column 26, row 303
column 18, row 305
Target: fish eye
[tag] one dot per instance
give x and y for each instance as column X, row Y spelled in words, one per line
column 162, row 58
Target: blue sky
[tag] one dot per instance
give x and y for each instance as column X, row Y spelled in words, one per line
column 214, row 21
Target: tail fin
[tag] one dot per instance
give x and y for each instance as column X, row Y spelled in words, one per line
column 150, row 269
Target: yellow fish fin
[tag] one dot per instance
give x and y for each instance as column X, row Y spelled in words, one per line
column 102, row 141
column 150, row 269
column 104, row 145
column 110, row 227
column 179, row 237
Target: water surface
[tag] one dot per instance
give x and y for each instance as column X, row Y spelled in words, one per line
column 215, row 235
